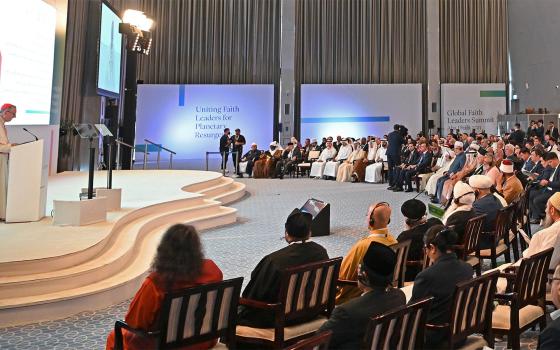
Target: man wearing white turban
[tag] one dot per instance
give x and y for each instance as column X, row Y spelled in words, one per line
column 485, row 203
column 460, row 211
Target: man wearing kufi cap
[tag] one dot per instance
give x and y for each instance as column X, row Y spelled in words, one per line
column 508, row 184
column 7, row 113
column 414, row 212
column 349, row 321
column 250, row 157
column 485, row 203
column 457, row 164
column 265, row 278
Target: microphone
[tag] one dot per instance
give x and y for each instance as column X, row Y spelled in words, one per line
column 32, row 134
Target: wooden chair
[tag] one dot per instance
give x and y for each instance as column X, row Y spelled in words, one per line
column 471, row 314
column 319, row 341
column 192, row 316
column 468, row 250
column 524, row 303
column 401, row 249
column 500, row 236
column 306, row 166
column 521, row 219
column 401, row 328
column 306, row 292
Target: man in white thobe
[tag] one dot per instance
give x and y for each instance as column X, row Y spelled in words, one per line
column 7, row 113
column 373, row 171
column 344, row 152
column 319, row 165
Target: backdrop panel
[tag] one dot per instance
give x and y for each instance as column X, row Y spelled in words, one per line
column 190, row 119
column 472, row 106
column 359, row 109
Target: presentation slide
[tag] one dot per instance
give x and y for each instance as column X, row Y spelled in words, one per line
column 190, row 119
column 110, row 40
column 27, row 33
column 355, row 110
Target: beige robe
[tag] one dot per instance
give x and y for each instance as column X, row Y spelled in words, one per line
column 5, row 147
column 345, row 170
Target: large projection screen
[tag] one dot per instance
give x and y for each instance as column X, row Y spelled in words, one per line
column 110, row 47
column 354, row 110
column 190, row 119
column 27, row 37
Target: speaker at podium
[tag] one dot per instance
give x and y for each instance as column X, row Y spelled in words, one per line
column 321, row 212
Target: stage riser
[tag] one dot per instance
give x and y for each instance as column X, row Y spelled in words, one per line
column 106, row 264
column 28, row 267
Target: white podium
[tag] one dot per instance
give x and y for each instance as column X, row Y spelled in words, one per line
column 27, row 183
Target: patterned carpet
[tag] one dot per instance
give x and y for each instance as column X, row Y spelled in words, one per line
column 237, row 249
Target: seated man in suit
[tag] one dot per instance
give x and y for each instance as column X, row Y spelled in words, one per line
column 348, row 321
column 379, row 216
column 549, row 339
column 485, row 203
column 411, row 160
column 251, row 157
column 548, row 186
column 265, row 278
column 290, row 157
column 422, row 166
column 439, row 280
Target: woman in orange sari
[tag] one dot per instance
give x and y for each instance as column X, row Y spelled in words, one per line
column 179, row 263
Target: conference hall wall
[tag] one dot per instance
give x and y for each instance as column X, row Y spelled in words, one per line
column 190, row 119
column 353, row 110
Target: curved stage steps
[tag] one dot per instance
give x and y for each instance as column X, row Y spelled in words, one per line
column 113, row 269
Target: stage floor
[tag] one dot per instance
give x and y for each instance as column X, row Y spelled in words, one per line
column 140, row 188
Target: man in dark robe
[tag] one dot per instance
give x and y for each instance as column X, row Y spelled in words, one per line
column 349, row 321
column 265, row 278
column 416, row 223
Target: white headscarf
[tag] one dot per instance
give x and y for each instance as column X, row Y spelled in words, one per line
column 464, row 195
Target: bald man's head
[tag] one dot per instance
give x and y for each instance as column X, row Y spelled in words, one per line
column 379, row 215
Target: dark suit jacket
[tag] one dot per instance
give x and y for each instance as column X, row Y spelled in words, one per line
column 545, row 173
column 553, row 132
column 518, row 137
column 424, row 163
column 349, row 321
column 459, row 219
column 296, row 153
column 540, row 132
column 549, row 339
column 555, row 183
column 252, row 155
column 439, row 281
column 412, row 158
column 488, row 205
column 265, row 279
column 416, row 251
column 394, row 143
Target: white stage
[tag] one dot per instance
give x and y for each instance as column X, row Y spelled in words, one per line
column 48, row 271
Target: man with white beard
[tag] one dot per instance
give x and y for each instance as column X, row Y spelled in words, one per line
column 344, row 151
column 542, row 240
column 319, row 165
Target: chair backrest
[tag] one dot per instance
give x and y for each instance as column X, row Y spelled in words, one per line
column 399, row 329
column 531, row 278
column 313, row 155
column 318, row 341
column 194, row 315
column 309, row 290
column 473, row 306
column 402, row 249
column 473, row 230
column 522, row 215
column 503, row 223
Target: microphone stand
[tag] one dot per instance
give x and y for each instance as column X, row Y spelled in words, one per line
column 91, row 166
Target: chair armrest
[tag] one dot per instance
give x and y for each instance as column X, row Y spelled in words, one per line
column 508, row 276
column 259, row 304
column 415, row 263
column 505, row 296
column 511, row 270
column 437, row 326
column 119, row 325
column 347, row 283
